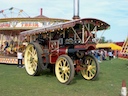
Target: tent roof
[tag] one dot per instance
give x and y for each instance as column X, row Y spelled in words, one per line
column 40, row 16
column 108, row 45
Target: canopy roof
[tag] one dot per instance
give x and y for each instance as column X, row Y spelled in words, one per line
column 101, row 25
column 16, row 25
column 108, row 45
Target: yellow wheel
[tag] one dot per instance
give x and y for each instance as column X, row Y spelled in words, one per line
column 33, row 59
column 90, row 70
column 64, row 69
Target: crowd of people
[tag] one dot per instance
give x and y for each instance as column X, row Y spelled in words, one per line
column 102, row 54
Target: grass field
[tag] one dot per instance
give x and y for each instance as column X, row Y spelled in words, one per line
column 16, row 82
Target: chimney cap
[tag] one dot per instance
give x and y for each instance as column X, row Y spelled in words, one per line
column 75, row 17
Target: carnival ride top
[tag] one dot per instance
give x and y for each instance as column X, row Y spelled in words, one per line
column 13, row 13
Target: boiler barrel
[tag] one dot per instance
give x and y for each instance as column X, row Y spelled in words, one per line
column 67, row 50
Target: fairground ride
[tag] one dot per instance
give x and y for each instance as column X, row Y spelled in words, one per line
column 124, row 49
column 12, row 22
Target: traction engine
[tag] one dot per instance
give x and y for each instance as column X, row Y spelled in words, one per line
column 66, row 47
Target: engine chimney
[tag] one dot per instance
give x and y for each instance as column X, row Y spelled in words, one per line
column 41, row 10
column 76, row 9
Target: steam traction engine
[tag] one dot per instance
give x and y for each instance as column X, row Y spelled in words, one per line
column 66, row 46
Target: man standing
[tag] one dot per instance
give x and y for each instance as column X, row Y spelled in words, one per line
column 19, row 57
column 110, row 54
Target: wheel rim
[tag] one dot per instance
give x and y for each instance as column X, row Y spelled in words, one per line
column 62, row 70
column 31, row 59
column 90, row 69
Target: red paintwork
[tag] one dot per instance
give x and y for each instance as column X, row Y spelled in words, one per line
column 63, row 50
column 119, row 43
column 55, row 54
column 86, row 46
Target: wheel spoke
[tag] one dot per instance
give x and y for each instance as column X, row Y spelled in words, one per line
column 60, row 64
column 91, row 74
column 62, row 75
column 66, row 75
column 35, row 58
column 34, row 63
column 30, row 52
column 60, row 69
column 28, row 59
column 90, row 61
column 93, row 67
column 94, row 70
column 64, row 62
column 34, row 70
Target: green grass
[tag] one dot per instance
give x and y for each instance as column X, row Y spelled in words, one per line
column 16, row 82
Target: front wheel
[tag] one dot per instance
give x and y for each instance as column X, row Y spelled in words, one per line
column 64, row 69
column 90, row 68
column 33, row 59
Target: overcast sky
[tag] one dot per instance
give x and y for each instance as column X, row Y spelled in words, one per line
column 114, row 12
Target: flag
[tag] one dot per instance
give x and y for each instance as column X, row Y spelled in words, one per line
column 21, row 10
column 11, row 8
column 1, row 11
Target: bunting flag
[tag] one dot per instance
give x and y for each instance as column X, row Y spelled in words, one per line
column 11, row 8
column 1, row 11
column 21, row 10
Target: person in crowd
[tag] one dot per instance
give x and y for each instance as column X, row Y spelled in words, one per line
column 6, row 45
column 20, row 57
column 105, row 54
column 11, row 43
column 101, row 55
column 97, row 55
column 110, row 54
column 117, row 54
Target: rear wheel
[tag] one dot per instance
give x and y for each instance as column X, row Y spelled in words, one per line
column 64, row 69
column 90, row 68
column 33, row 59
